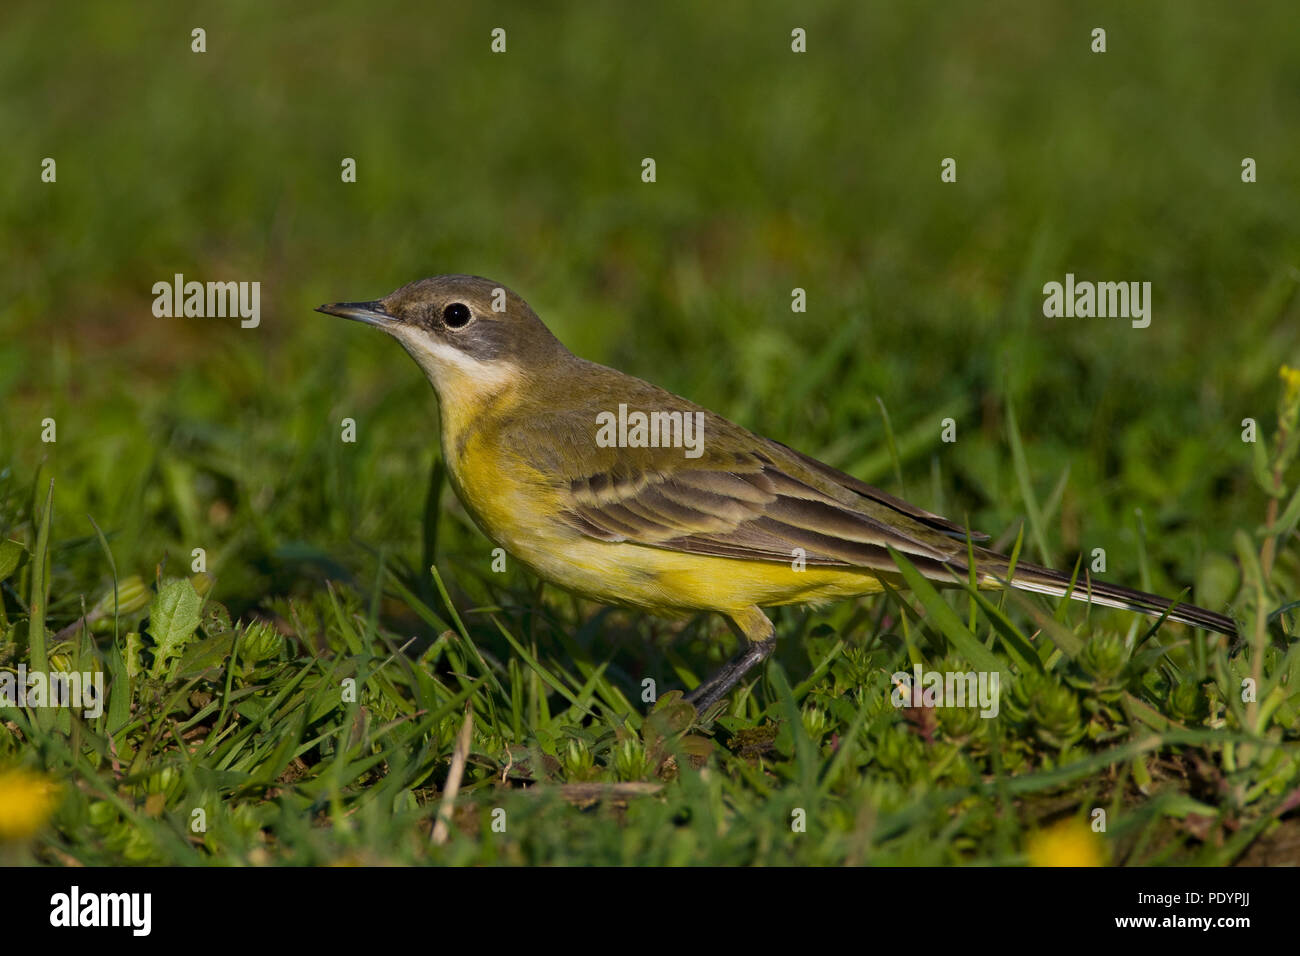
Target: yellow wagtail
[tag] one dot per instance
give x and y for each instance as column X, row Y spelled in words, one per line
column 620, row 491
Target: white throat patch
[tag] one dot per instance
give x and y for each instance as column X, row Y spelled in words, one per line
column 449, row 369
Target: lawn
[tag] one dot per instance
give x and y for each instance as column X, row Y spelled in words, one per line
column 308, row 648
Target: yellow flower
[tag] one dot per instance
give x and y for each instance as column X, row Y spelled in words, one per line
column 1069, row 843
column 1291, row 384
column 26, row 801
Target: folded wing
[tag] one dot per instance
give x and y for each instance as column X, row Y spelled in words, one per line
column 756, row 507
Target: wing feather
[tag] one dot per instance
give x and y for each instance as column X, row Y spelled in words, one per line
column 748, row 508
column 857, row 486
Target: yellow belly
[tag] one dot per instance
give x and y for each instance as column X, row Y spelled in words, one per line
column 621, row 573
column 519, row 511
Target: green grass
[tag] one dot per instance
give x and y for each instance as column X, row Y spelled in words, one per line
column 775, row 171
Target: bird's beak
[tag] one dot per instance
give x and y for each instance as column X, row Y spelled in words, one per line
column 372, row 313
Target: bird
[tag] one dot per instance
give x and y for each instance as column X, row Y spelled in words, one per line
column 622, row 492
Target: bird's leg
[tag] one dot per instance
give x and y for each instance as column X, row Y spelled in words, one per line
column 760, row 640
column 721, row 683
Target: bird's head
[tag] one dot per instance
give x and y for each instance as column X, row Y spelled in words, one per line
column 470, row 335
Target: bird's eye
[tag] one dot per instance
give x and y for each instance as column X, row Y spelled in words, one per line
column 457, row 315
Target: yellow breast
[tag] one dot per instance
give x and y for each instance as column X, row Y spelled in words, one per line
column 520, row 510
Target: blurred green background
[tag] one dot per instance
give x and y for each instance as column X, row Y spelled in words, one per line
column 775, row 170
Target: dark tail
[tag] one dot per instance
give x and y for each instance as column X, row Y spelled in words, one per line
column 1031, row 577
